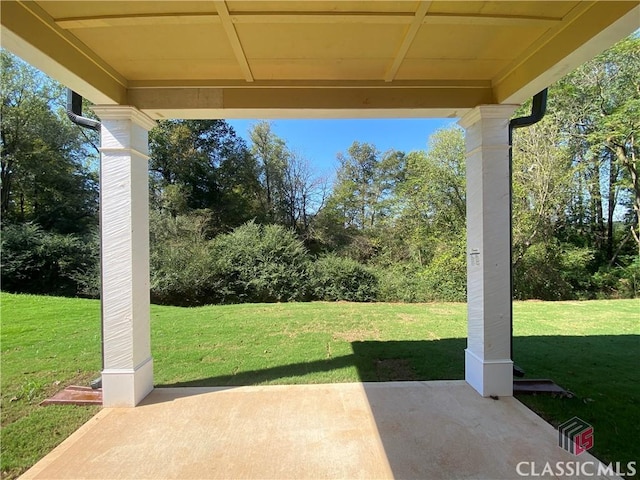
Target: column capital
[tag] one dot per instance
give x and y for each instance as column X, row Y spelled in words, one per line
column 486, row 111
column 124, row 112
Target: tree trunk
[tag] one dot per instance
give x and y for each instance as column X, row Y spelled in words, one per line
column 597, row 221
column 629, row 161
column 612, row 200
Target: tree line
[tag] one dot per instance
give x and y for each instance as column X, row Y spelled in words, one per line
column 236, row 221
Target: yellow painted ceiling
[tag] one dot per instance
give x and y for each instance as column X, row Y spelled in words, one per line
column 125, row 51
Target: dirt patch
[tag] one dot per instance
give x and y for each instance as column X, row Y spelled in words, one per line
column 407, row 318
column 394, row 369
column 357, row 335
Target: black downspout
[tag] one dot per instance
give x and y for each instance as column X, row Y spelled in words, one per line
column 74, row 112
column 538, row 109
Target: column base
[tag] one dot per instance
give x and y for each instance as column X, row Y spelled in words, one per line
column 488, row 377
column 123, row 387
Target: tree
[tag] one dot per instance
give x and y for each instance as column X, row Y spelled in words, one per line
column 46, row 175
column 365, row 185
column 292, row 192
column 203, row 165
column 304, row 193
column 542, row 178
column 600, row 102
column 272, row 155
column 433, row 197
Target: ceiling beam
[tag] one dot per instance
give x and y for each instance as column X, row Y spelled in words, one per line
column 264, row 102
column 139, row 20
column 321, row 84
column 234, row 40
column 382, row 18
column 422, row 10
column 29, row 32
column 490, row 20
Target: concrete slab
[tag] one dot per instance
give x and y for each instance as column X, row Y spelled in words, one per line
column 411, row 430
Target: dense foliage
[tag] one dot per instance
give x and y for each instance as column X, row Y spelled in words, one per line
column 235, row 221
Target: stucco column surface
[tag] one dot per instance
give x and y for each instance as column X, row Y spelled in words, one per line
column 127, row 376
column 488, row 366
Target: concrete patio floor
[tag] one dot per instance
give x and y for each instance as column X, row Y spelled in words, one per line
column 408, row 430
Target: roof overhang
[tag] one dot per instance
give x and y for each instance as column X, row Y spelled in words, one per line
column 323, row 59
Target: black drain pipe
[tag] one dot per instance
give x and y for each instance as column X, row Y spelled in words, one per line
column 538, row 109
column 74, row 112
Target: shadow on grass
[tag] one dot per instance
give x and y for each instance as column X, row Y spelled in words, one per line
column 375, row 361
column 574, row 362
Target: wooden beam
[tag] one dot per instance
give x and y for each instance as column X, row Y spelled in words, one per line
column 234, row 40
column 263, row 102
column 490, row 20
column 139, row 20
column 381, row 18
column 407, row 41
column 29, row 32
column 319, row 84
column 384, row 18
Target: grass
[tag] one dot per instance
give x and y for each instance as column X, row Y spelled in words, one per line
column 590, row 348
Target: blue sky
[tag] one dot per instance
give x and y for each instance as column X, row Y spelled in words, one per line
column 320, row 140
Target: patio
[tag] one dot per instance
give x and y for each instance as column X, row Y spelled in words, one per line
column 356, row 430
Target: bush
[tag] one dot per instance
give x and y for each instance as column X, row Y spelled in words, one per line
column 538, row 274
column 402, row 283
column 259, row 263
column 254, row 263
column 618, row 282
column 445, row 278
column 337, row 278
column 575, row 265
column 40, row 262
column 182, row 260
column 629, row 283
column 182, row 274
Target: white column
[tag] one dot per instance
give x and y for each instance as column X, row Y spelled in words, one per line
column 127, row 376
column 488, row 366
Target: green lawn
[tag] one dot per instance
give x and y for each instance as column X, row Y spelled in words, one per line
column 590, row 348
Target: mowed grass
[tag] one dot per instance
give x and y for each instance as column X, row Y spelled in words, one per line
column 590, row 348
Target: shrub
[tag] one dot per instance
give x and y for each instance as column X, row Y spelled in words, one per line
column 402, row 283
column 445, row 278
column 182, row 273
column 538, row 274
column 337, row 278
column 629, row 283
column 182, row 260
column 618, row 282
column 36, row 261
column 261, row 264
column 575, row 269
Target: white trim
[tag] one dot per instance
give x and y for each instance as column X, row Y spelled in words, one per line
column 124, row 387
column 124, row 112
column 488, row 377
column 486, row 111
column 119, row 151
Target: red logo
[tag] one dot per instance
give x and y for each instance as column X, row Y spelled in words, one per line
column 575, row 436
